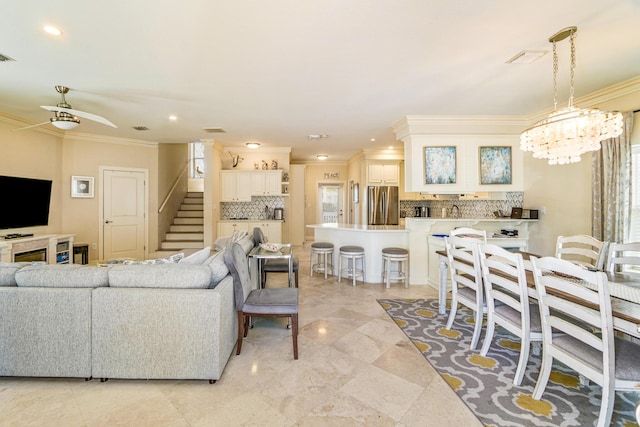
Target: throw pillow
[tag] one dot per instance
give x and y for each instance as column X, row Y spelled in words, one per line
column 221, row 242
column 168, row 260
column 217, row 266
column 197, row 257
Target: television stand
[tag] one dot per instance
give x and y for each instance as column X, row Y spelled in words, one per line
column 50, row 248
column 15, row 236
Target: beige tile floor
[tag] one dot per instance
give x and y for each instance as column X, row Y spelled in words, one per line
column 355, row 367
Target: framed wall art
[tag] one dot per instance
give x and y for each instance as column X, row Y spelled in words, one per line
column 495, row 165
column 82, row 186
column 440, row 165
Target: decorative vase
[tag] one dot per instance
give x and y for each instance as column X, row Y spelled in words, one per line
column 274, row 164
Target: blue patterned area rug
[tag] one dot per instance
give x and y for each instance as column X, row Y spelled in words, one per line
column 485, row 384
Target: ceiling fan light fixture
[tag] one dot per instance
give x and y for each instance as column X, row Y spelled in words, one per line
column 65, row 123
column 252, row 145
column 568, row 133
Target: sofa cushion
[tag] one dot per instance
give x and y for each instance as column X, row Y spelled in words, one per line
column 168, row 260
column 62, row 276
column 8, row 272
column 172, row 275
column 218, row 268
column 197, row 257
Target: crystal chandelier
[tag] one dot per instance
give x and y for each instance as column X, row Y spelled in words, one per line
column 569, row 132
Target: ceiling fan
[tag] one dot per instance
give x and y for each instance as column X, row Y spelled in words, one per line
column 65, row 117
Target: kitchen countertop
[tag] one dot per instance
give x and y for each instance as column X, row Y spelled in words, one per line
column 250, row 220
column 361, row 227
column 439, row 218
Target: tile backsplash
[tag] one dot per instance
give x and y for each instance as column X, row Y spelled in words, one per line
column 255, row 209
column 468, row 208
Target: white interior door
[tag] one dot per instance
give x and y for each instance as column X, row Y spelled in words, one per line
column 330, row 203
column 123, row 214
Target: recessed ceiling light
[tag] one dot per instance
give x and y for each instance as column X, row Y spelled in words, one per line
column 252, row 145
column 391, row 147
column 322, row 157
column 173, row 118
column 372, row 140
column 52, row 30
column 527, row 56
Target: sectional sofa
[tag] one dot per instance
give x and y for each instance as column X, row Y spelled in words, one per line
column 159, row 321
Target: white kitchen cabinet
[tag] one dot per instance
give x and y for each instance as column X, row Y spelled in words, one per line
column 383, row 173
column 272, row 229
column 266, row 183
column 226, row 228
column 236, row 186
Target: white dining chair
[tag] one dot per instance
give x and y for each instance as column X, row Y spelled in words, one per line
column 508, row 305
column 470, row 233
column 623, row 255
column 582, row 249
column 466, row 281
column 588, row 345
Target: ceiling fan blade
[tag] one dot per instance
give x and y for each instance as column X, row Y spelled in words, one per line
column 82, row 114
column 32, row 126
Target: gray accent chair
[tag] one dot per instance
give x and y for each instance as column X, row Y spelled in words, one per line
column 277, row 302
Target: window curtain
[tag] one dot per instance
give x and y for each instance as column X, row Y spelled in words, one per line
column 611, row 186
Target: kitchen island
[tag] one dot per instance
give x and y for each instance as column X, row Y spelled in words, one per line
column 373, row 238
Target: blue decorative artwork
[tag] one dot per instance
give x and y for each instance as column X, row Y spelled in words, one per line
column 440, row 165
column 495, row 165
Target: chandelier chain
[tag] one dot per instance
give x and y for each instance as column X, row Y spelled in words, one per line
column 573, row 66
column 555, row 76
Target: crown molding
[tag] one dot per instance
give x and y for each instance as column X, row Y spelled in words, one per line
column 101, row 139
column 261, row 149
column 496, row 125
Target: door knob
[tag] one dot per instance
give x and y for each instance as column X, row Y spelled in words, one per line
column 108, row 222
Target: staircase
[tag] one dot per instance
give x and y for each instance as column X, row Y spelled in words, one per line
column 187, row 231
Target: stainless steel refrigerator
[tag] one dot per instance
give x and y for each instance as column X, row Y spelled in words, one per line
column 383, row 205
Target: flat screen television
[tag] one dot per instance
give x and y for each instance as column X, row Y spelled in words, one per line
column 29, row 202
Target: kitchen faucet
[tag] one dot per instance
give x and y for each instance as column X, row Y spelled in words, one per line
column 455, row 209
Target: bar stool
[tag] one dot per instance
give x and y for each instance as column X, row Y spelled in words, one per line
column 321, row 250
column 352, row 254
column 389, row 256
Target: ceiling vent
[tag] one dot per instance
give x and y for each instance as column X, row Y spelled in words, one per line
column 527, row 56
column 214, row 130
column 316, row 136
column 141, row 128
column 5, row 58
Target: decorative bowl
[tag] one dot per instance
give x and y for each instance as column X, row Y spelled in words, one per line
column 271, row 247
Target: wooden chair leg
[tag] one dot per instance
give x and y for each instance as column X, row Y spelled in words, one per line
column 240, row 332
column 294, row 334
column 296, row 277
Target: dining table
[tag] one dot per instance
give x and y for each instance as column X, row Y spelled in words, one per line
column 624, row 289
